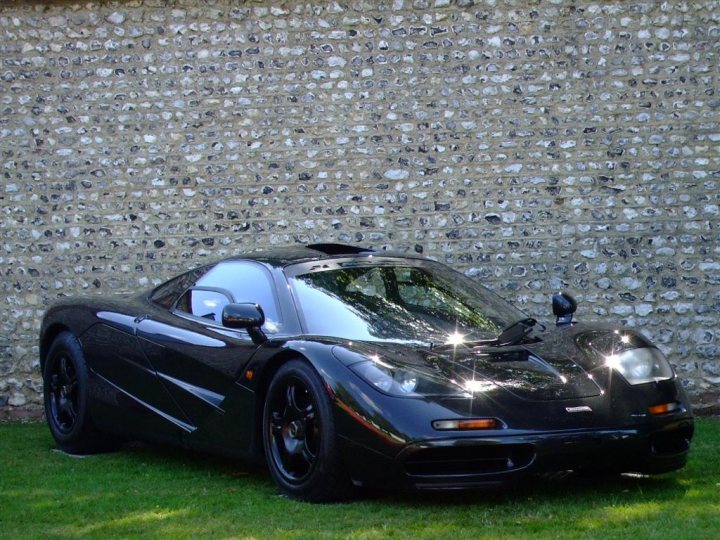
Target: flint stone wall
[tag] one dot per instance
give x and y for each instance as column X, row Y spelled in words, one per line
column 534, row 145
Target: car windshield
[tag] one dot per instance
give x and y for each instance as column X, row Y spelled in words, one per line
column 397, row 300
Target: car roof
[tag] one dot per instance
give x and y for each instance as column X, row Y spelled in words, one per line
column 283, row 256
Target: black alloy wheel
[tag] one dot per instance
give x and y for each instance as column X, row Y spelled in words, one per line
column 63, row 394
column 294, row 430
column 299, row 436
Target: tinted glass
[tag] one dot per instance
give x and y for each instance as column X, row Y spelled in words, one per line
column 166, row 293
column 204, row 304
column 398, row 301
column 247, row 282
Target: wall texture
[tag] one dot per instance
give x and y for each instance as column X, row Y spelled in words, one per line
column 534, row 145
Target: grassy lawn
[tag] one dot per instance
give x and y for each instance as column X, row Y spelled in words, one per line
column 159, row 493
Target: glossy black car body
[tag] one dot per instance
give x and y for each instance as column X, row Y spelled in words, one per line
column 262, row 356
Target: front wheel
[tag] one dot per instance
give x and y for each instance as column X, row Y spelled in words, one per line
column 299, row 436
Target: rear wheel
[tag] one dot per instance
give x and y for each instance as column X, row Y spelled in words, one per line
column 65, row 395
column 299, row 436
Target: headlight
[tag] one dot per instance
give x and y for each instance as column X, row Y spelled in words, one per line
column 640, row 366
column 399, row 382
column 395, row 380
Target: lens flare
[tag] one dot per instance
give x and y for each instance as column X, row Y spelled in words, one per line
column 455, row 339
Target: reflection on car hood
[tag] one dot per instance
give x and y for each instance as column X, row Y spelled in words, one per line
column 546, row 370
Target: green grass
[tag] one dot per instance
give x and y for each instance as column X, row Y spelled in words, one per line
column 155, row 492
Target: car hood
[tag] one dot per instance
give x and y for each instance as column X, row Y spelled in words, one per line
column 550, row 369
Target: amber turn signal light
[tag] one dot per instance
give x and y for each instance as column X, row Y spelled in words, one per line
column 664, row 408
column 469, row 424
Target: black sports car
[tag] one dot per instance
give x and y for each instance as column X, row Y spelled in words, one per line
column 348, row 367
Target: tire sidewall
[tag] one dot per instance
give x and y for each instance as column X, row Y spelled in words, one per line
column 326, row 468
column 67, row 345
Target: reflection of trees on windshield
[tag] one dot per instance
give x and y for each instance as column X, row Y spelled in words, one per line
column 344, row 311
column 391, row 303
column 436, row 296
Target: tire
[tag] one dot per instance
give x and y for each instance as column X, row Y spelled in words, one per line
column 65, row 396
column 299, row 436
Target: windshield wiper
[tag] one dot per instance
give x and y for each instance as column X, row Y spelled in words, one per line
column 516, row 332
column 513, row 334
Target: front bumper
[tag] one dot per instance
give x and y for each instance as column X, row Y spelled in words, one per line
column 503, row 459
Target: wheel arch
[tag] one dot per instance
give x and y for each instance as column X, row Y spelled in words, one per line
column 311, row 353
column 64, row 317
column 262, row 385
column 46, row 340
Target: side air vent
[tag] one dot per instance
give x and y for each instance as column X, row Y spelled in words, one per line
column 339, row 249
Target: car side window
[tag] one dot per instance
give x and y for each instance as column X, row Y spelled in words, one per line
column 247, row 282
column 203, row 303
column 165, row 294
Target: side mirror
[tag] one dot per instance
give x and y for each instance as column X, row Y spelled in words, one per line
column 563, row 306
column 245, row 316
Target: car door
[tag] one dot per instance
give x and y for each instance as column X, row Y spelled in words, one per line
column 129, row 394
column 199, row 360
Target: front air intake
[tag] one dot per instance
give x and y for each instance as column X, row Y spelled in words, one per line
column 674, row 441
column 469, row 460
